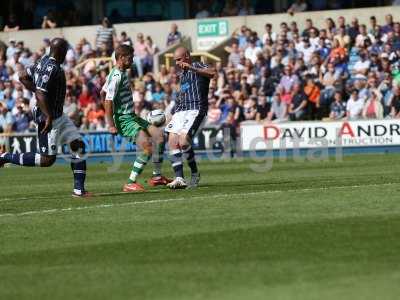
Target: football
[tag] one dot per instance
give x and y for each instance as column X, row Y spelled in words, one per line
column 156, row 117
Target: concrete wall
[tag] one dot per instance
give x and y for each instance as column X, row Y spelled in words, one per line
column 159, row 30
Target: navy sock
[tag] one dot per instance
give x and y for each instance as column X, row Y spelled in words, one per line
column 158, row 158
column 188, row 154
column 29, row 159
column 176, row 160
column 78, row 167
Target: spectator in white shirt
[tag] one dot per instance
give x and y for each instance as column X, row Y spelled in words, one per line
column 252, row 50
column 202, row 11
column 307, row 49
column 354, row 106
column 269, row 34
column 297, row 6
column 362, row 65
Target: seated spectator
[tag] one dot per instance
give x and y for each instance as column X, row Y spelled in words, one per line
column 214, row 112
column 395, row 104
column 11, row 24
column 9, row 100
column 22, row 119
column 279, row 110
column 298, row 105
column 125, row 39
column 263, row 107
column 362, row 65
column 94, row 113
column 354, row 106
column 269, row 34
column 338, row 107
column 250, row 109
column 234, row 55
column 373, row 108
column 70, row 108
column 85, row 97
column 313, row 93
column 6, row 119
column 158, row 95
column 252, row 50
column 288, row 80
column 174, row 36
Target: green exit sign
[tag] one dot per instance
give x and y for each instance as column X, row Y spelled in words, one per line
column 212, row 28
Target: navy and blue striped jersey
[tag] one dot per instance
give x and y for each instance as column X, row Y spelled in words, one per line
column 193, row 94
column 49, row 77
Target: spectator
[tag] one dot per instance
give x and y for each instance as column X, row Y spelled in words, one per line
column 298, row 105
column 250, row 109
column 389, row 24
column 313, row 93
column 234, row 56
column 202, row 11
column 85, row 97
column 354, row 106
column 151, row 50
column 11, row 49
column 174, row 36
column 6, row 119
column 252, row 50
column 214, row 112
column 263, row 107
column 297, row 6
column 245, row 8
column 395, row 104
column 70, row 108
column 279, row 110
column 230, row 9
column 49, row 21
column 286, row 84
column 22, row 119
column 94, row 113
column 105, row 36
column 11, row 24
column 338, row 107
column 269, row 34
column 373, row 108
column 158, row 95
column 125, row 39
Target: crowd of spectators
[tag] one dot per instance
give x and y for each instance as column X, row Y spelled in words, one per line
column 342, row 70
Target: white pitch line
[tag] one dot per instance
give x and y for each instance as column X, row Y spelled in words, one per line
column 100, row 206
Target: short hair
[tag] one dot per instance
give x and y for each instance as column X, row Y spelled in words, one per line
column 123, row 50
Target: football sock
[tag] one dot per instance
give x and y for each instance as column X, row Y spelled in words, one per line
column 78, row 167
column 158, row 158
column 29, row 159
column 188, row 154
column 176, row 160
column 138, row 166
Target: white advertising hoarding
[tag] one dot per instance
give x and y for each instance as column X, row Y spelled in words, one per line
column 291, row 135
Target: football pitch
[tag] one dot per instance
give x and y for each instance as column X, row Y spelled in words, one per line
column 303, row 230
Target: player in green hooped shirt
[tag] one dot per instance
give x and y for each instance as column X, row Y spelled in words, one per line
column 121, row 119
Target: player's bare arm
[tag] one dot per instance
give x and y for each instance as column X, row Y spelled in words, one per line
column 42, row 102
column 108, row 106
column 27, row 81
column 207, row 72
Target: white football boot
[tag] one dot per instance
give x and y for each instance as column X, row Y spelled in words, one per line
column 177, row 183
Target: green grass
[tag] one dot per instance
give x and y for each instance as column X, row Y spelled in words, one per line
column 326, row 230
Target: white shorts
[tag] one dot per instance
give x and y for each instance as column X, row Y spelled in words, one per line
column 63, row 132
column 185, row 122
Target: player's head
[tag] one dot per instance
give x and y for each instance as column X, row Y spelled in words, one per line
column 124, row 56
column 182, row 54
column 58, row 49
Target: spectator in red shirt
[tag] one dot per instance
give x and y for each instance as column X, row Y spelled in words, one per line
column 85, row 97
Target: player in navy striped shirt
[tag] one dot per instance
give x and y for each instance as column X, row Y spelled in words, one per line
column 188, row 114
column 46, row 79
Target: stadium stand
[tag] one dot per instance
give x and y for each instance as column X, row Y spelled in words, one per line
column 343, row 69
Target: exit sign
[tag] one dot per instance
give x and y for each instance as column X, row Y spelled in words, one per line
column 212, row 28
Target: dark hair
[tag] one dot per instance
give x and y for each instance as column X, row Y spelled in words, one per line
column 123, row 50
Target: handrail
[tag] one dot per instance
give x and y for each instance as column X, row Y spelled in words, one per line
column 96, row 60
